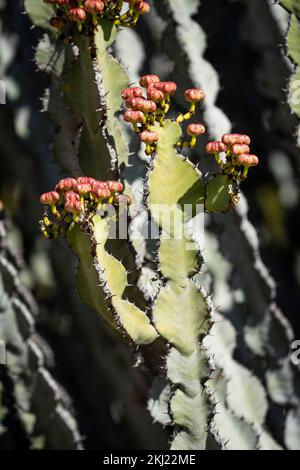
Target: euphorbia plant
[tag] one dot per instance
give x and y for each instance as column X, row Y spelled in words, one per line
column 172, row 331
column 173, row 185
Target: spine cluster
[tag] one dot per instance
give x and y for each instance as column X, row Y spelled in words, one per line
column 77, row 200
column 86, row 14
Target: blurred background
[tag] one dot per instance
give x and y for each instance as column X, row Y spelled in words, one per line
column 244, row 41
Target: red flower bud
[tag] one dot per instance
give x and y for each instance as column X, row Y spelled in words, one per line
column 215, row 147
column 72, row 196
column 148, row 106
column 231, row 139
column 85, row 179
column 166, row 87
column 84, row 188
column 115, row 186
column 140, row 104
column 142, row 7
column 134, row 92
column 149, row 137
column 134, row 116
column 49, row 198
column 195, row 129
column 77, row 14
column 100, row 193
column 74, row 206
column 154, row 94
column 248, row 160
column 194, row 94
column 238, row 149
column 146, row 80
column 99, row 184
column 133, row 103
column 94, row 6
column 66, row 184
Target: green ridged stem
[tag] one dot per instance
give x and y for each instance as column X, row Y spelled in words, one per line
column 102, row 280
column 36, row 399
column 181, row 311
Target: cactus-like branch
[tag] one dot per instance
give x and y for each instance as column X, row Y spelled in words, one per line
column 294, row 54
column 38, row 402
column 101, row 143
column 82, row 209
column 223, row 225
column 84, row 97
column 102, row 279
column 175, row 190
column 180, row 305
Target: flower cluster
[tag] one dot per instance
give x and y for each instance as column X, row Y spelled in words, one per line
column 76, row 200
column 86, row 14
column 144, row 109
column 233, row 156
column 147, row 108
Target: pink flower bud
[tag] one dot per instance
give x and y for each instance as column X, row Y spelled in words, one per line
column 115, row 186
column 148, row 106
column 195, row 129
column 101, row 193
column 146, row 80
column 74, row 206
column 231, row 139
column 84, row 188
column 99, row 185
column 133, row 103
column 85, row 179
column 140, row 104
column 72, row 196
column 215, row 147
column 66, row 184
column 149, row 137
column 142, row 7
column 166, row 87
column 77, row 14
column 155, row 95
column 248, row 160
column 238, row 149
column 134, row 92
column 194, row 94
column 94, row 6
column 49, row 198
column 134, row 116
